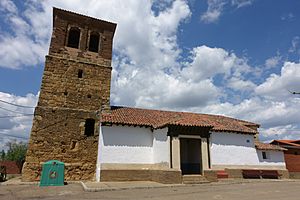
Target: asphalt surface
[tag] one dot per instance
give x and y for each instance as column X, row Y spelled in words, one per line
column 266, row 190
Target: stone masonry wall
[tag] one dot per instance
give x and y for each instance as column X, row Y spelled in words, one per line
column 59, row 134
column 65, row 102
column 61, row 86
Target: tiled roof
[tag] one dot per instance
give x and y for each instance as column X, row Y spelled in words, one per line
column 159, row 119
column 265, row 146
column 287, row 143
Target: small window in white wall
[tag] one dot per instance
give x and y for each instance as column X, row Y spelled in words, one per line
column 265, row 155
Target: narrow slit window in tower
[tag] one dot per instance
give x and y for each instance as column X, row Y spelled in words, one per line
column 89, row 127
column 80, row 73
column 73, row 38
column 94, row 42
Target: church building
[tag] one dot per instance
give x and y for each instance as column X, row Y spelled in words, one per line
column 75, row 123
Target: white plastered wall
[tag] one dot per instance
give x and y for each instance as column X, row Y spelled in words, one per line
column 274, row 158
column 133, row 145
column 233, row 150
column 161, row 147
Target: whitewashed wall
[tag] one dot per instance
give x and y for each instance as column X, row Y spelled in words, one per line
column 123, row 144
column 161, row 146
column 275, row 158
column 133, row 145
column 233, row 149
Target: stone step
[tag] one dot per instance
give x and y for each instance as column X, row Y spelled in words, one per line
column 194, row 179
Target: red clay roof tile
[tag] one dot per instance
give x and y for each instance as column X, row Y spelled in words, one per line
column 159, row 119
column 286, row 142
column 265, row 146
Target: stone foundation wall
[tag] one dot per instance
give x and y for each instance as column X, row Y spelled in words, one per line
column 234, row 173
column 210, row 175
column 161, row 176
column 294, row 175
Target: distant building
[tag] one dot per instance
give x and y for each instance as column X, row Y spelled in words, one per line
column 12, row 167
column 74, row 122
column 291, row 156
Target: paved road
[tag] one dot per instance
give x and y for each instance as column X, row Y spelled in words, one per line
column 243, row 191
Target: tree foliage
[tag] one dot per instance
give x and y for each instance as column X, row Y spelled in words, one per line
column 16, row 151
column 2, row 155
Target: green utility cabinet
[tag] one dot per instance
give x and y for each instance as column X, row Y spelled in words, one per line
column 53, row 173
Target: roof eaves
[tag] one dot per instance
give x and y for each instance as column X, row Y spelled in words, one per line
column 235, row 131
column 266, row 146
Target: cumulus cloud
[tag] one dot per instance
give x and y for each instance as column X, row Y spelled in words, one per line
column 21, row 44
column 208, row 62
column 185, row 86
column 16, row 121
column 287, row 132
column 278, row 86
column 238, row 84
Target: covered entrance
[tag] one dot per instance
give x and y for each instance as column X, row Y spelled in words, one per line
column 189, row 149
column 190, row 156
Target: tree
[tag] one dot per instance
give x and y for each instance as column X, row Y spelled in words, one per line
column 16, row 151
column 2, row 155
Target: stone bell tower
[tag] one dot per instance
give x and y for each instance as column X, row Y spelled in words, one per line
column 75, row 91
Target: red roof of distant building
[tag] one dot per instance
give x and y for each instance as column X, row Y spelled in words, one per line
column 160, row 119
column 265, row 146
column 293, row 143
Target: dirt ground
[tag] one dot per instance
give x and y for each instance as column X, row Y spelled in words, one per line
column 267, row 190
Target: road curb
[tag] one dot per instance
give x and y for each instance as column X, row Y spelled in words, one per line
column 89, row 189
column 99, row 189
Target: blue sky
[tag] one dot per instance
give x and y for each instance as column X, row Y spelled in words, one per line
column 231, row 57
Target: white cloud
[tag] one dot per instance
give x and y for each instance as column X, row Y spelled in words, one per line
column 273, row 61
column 215, row 8
column 278, row 86
column 14, row 125
column 8, row 5
column 277, row 118
column 185, row 86
column 22, row 47
column 287, row 132
column 288, row 16
column 208, row 62
column 272, row 105
column 295, row 45
column 238, row 84
column 241, row 3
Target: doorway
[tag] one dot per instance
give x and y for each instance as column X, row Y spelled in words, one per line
column 190, row 156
